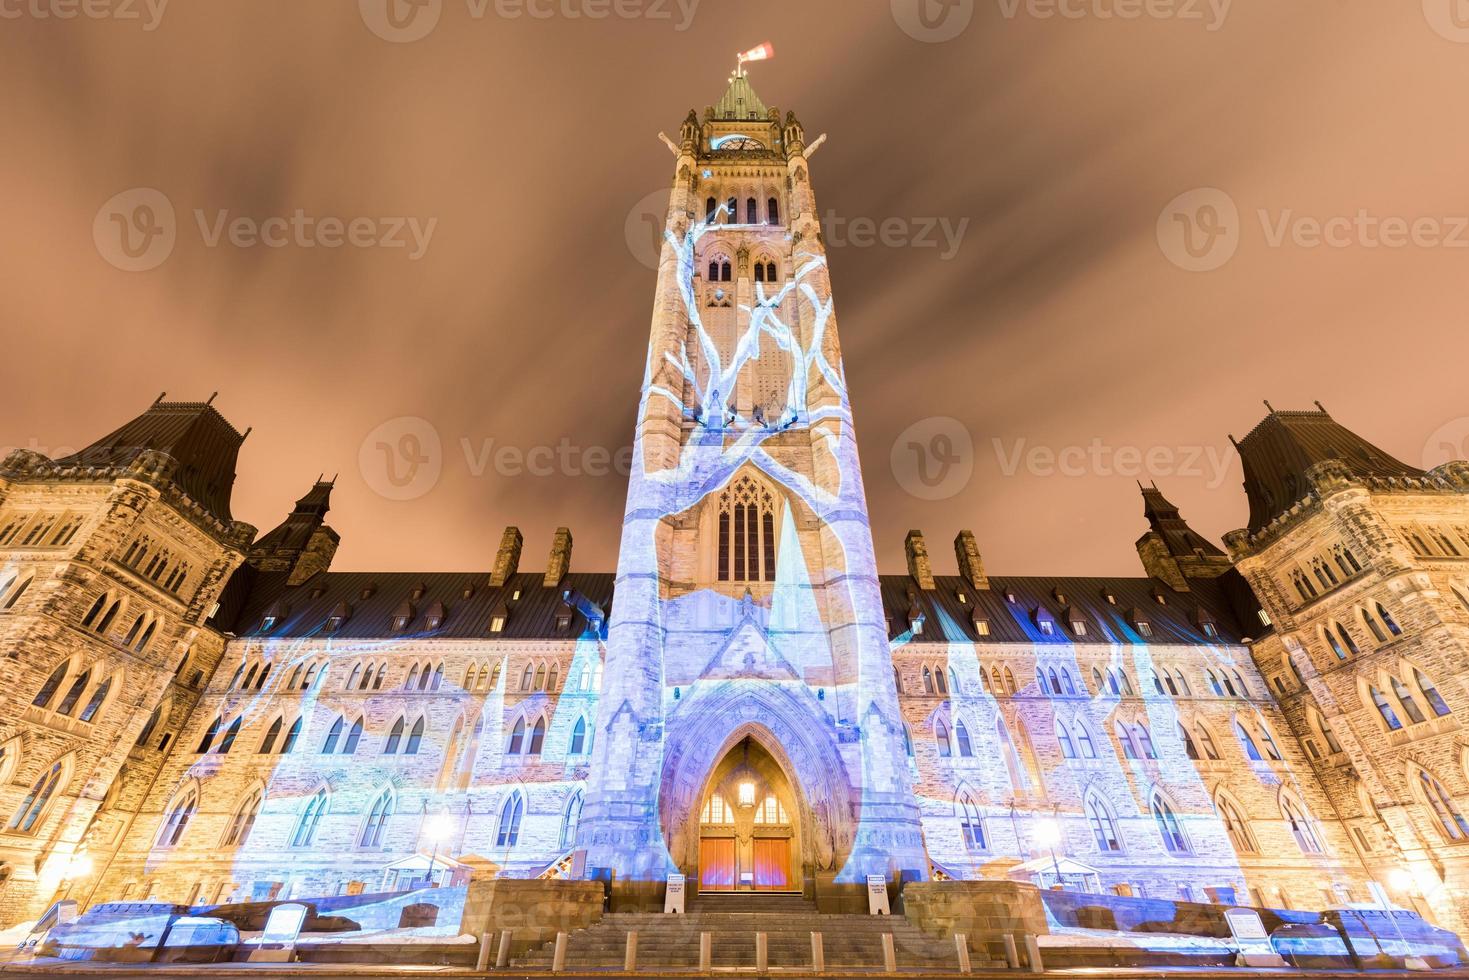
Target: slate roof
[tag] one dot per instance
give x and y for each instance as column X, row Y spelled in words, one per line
column 468, row 599
column 1177, row 621
column 193, row 433
column 740, row 102
column 1278, row 451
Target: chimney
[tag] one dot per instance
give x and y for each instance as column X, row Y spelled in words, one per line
column 560, row 562
column 971, row 565
column 918, row 565
column 317, row 556
column 507, row 559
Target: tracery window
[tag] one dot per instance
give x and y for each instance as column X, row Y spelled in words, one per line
column 746, row 533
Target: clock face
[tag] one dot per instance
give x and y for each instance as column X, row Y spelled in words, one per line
column 738, row 143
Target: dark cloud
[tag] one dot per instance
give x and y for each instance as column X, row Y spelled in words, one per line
column 1058, row 322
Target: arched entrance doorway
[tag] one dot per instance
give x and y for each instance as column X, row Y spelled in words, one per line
column 748, row 840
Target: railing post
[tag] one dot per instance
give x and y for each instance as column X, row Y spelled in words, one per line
column 630, row 958
column 961, row 944
column 889, row 955
column 762, row 954
column 1012, row 953
column 818, row 953
column 502, row 958
column 558, row 959
column 706, row 952
column 486, row 945
column 1033, row 953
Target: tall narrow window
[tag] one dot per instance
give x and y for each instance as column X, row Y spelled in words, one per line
column 578, row 737
column 772, row 211
column 1252, row 751
column 510, row 815
column 571, row 819
column 1104, row 828
column 517, row 737
column 353, row 737
column 1389, row 717
column 961, row 736
column 377, row 820
column 1450, row 820
column 305, row 834
column 537, row 737
column 1430, row 693
column 752, row 212
column 210, row 734
column 415, row 738
column 178, row 819
column 29, row 813
column 48, row 689
column 1168, row 826
column 99, row 696
column 395, row 738
column 268, row 743
column 1237, row 829
column 293, row 733
column 971, row 827
column 230, row 734
column 1405, row 698
column 333, row 736
column 1300, row 828
column 73, row 693
column 243, row 820
column 724, row 566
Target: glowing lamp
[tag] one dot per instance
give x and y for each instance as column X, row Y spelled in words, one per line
column 1399, row 880
column 439, row 827
column 1048, row 831
column 79, row 866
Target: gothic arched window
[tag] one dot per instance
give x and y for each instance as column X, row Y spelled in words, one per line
column 772, row 211
column 178, row 819
column 571, row 819
column 752, row 212
column 1104, row 828
column 243, row 820
column 746, row 533
column 510, row 816
column 377, row 819
column 305, row 834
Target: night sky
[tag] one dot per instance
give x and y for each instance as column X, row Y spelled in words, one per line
column 1031, row 285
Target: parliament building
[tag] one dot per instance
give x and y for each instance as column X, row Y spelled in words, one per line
column 198, row 713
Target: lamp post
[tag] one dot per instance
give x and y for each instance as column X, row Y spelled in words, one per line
column 437, row 829
column 1048, row 833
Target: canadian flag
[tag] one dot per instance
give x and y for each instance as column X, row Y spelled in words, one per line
column 764, row 52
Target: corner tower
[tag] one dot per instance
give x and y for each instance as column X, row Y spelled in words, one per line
column 747, row 612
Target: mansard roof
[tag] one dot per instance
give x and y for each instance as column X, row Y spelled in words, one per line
column 194, row 434
column 1278, row 452
column 373, row 600
column 1013, row 608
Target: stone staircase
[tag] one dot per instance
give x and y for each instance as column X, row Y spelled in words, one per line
column 671, row 942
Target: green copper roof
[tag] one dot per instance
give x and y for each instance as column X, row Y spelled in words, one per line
column 740, row 101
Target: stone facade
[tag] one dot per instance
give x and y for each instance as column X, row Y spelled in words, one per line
column 195, row 714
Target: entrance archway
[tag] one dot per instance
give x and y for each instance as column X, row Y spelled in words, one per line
column 747, row 838
column 791, row 741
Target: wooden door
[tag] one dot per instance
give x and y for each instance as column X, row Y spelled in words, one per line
column 716, row 864
column 772, row 863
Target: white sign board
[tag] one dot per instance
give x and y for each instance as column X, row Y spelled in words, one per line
column 673, row 900
column 1251, row 938
column 278, row 940
column 877, row 895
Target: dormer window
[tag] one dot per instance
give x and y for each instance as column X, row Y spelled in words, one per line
column 515, row 596
column 400, row 623
column 367, row 592
column 981, row 626
column 402, row 616
column 1140, row 622
column 499, row 616
column 417, row 593
column 435, row 616
column 1009, row 595
column 267, row 624
column 1210, row 630
column 339, row 616
column 1044, row 621
column 317, row 592
column 468, row 592
column 1060, row 596
column 1110, row 596
column 1047, row 627
column 915, row 620
column 962, row 597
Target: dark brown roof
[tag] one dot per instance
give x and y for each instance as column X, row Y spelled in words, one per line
column 946, row 619
column 293, row 534
column 1279, row 451
column 1164, row 518
column 205, row 446
column 305, row 608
